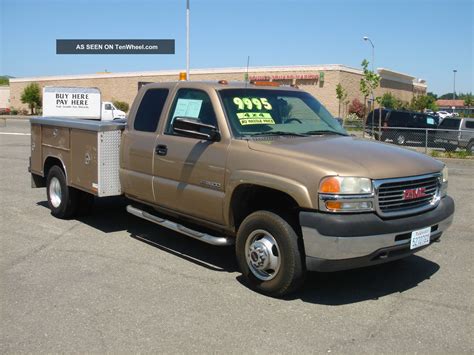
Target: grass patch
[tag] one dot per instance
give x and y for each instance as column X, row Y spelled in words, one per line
column 462, row 154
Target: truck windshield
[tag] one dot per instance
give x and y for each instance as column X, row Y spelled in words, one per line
column 260, row 112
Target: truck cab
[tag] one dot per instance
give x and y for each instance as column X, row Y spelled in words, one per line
column 109, row 112
column 258, row 166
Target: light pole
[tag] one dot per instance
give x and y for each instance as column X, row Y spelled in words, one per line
column 373, row 99
column 373, row 49
column 454, row 86
column 187, row 39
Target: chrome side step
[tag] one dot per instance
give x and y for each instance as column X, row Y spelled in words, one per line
column 203, row 237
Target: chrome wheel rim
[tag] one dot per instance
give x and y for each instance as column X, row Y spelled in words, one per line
column 55, row 192
column 263, row 255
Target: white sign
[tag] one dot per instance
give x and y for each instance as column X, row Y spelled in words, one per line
column 71, row 102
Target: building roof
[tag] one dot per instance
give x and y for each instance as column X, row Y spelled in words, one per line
column 450, row 103
column 263, row 69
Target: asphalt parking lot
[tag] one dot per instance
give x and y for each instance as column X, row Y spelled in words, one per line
column 110, row 282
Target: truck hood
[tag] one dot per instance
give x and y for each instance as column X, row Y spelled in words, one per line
column 350, row 156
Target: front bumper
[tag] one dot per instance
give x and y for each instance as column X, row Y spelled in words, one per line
column 337, row 242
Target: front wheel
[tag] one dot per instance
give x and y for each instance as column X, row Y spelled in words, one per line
column 269, row 254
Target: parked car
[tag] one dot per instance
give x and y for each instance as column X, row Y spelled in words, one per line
column 444, row 114
column 456, row 133
column 402, row 126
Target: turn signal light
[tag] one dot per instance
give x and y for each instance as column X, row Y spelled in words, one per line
column 330, row 186
column 333, row 205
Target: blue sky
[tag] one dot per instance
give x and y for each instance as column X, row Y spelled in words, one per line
column 424, row 38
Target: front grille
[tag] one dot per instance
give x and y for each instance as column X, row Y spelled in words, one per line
column 391, row 194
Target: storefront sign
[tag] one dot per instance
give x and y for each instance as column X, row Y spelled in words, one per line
column 284, row 77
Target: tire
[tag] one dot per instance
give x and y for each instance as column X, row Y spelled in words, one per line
column 400, row 139
column 270, row 254
column 470, row 147
column 63, row 200
column 450, row 147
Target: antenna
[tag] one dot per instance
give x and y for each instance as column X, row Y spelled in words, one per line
column 247, row 72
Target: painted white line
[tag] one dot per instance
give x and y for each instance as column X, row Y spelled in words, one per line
column 15, row 134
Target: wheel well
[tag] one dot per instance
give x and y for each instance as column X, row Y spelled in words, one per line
column 248, row 198
column 49, row 163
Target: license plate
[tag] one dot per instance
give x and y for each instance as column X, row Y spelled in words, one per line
column 420, row 237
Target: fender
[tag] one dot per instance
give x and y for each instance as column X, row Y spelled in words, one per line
column 293, row 188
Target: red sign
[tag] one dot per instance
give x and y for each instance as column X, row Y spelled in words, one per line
column 411, row 194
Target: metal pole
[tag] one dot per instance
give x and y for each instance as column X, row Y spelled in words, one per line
column 187, row 39
column 454, row 86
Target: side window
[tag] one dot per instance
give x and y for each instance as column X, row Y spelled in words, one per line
column 149, row 111
column 192, row 104
column 108, row 107
column 470, row 124
column 450, row 123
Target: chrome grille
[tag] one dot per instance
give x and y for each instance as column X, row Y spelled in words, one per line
column 391, row 199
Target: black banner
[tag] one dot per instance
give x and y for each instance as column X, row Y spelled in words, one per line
column 115, row 46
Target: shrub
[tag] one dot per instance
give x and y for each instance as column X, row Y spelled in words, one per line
column 357, row 108
column 13, row 111
column 121, row 105
column 32, row 96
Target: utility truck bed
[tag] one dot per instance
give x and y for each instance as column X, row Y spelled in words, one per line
column 89, row 151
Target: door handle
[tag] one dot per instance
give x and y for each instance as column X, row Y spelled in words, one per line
column 161, row 149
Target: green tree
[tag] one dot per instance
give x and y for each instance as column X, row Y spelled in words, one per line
column 433, row 95
column 368, row 83
column 4, row 80
column 121, row 105
column 469, row 101
column 388, row 100
column 421, row 102
column 32, row 96
column 341, row 95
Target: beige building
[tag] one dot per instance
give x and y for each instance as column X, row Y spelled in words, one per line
column 4, row 97
column 319, row 80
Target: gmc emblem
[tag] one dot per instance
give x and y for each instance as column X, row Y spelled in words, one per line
column 414, row 193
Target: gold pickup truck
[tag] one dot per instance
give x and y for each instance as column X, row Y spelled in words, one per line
column 263, row 167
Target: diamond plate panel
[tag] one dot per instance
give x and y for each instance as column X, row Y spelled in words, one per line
column 109, row 163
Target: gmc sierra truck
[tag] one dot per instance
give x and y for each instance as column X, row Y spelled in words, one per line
column 264, row 167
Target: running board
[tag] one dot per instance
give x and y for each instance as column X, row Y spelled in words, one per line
column 203, row 237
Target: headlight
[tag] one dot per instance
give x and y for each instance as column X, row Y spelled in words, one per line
column 345, row 185
column 346, row 194
column 444, row 174
column 444, row 181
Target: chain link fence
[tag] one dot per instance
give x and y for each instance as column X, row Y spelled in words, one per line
column 419, row 139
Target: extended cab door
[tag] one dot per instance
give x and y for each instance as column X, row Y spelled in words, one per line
column 189, row 172
column 138, row 145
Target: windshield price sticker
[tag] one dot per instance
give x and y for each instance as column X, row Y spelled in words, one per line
column 248, row 118
column 251, row 103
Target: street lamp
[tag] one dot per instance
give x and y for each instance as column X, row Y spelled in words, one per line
column 454, row 86
column 373, row 49
column 187, row 39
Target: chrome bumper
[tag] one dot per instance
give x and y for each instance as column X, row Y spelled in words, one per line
column 335, row 242
column 336, row 248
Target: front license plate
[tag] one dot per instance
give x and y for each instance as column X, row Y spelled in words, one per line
column 420, row 237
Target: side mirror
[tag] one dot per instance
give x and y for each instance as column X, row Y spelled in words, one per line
column 191, row 128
